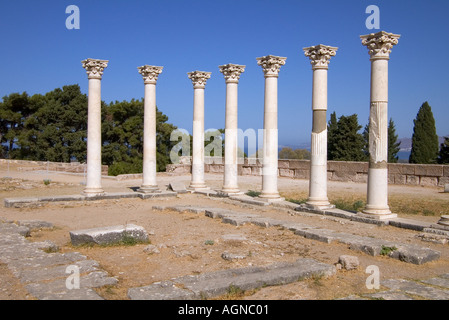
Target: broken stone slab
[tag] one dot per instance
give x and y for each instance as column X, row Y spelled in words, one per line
column 162, row 194
column 18, row 202
column 34, row 225
column 249, row 200
column 108, row 235
column 150, row 249
column 438, row 281
column 414, row 254
column 266, row 222
column 178, row 187
column 349, row 262
column 12, row 228
column 415, row 288
column 233, row 238
column 217, row 283
column 433, row 237
column 409, row 224
column 388, row 295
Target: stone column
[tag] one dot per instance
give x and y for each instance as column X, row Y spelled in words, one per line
column 319, row 56
column 231, row 73
column 271, row 66
column 199, row 79
column 94, row 69
column 379, row 46
column 149, row 182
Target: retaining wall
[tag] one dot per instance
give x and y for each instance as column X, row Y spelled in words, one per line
column 398, row 173
column 25, row 165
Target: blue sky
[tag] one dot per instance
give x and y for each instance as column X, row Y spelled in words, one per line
column 38, row 54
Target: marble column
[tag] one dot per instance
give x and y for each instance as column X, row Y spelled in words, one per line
column 319, row 56
column 94, row 69
column 232, row 74
column 199, row 79
column 149, row 183
column 271, row 66
column 379, row 46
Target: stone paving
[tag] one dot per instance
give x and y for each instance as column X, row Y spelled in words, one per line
column 44, row 271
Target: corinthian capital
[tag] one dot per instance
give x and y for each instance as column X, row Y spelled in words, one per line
column 232, row 72
column 199, row 78
column 94, row 67
column 271, row 65
column 150, row 73
column 380, row 44
column 320, row 55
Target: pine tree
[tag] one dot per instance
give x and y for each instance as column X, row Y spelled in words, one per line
column 424, row 140
column 443, row 156
column 393, row 143
column 331, row 129
column 347, row 143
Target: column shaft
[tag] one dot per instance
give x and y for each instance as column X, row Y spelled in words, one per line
column 149, row 182
column 198, row 141
column 230, row 184
column 270, row 140
column 93, row 183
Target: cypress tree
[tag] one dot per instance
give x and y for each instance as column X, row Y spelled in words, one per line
column 443, row 156
column 424, row 140
column 331, row 129
column 393, row 144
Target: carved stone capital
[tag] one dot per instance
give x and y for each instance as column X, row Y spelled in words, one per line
column 320, row 55
column 271, row 65
column 94, row 67
column 199, row 78
column 232, row 72
column 380, row 44
column 150, row 73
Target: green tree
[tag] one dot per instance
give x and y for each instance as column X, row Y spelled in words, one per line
column 393, row 143
column 425, row 143
column 289, row 153
column 443, row 156
column 331, row 140
column 346, row 143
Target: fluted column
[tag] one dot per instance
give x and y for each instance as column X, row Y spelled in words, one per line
column 271, row 66
column 199, row 79
column 379, row 46
column 150, row 75
column 319, row 56
column 94, row 69
column 231, row 73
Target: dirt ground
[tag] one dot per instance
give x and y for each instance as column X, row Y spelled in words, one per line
column 192, row 244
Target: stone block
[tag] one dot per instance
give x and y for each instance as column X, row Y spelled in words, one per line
column 428, row 181
column 108, row 235
column 286, row 173
column 349, row 262
column 216, row 168
column 361, row 177
column 299, row 164
column 302, row 174
column 400, row 178
column 429, row 170
column 401, row 168
column 284, row 164
column 446, row 170
column 348, row 166
column 413, row 180
column 178, row 187
column 344, row 176
column 442, row 181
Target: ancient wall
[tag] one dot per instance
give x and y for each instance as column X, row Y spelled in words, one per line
column 75, row 167
column 399, row 173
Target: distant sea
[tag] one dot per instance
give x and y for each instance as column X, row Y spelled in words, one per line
column 404, row 155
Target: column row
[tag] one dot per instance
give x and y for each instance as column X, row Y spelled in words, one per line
column 379, row 45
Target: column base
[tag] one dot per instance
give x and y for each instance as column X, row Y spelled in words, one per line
column 230, row 193
column 377, row 214
column 93, row 192
column 318, row 205
column 270, row 197
column 149, row 189
column 198, row 187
